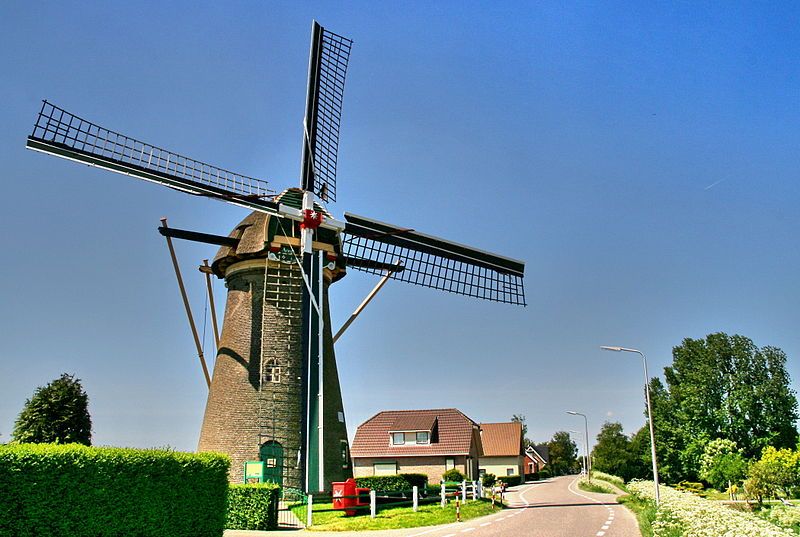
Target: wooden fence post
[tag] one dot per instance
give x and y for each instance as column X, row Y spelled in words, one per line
column 464, row 491
column 474, row 491
column 373, row 504
column 444, row 494
column 310, row 511
column 415, row 497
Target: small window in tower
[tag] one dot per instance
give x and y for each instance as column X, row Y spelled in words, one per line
column 272, row 372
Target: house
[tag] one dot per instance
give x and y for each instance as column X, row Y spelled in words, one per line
column 426, row 442
column 503, row 450
column 536, row 457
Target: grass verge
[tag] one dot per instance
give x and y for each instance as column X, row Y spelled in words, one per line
column 597, row 486
column 645, row 511
column 399, row 517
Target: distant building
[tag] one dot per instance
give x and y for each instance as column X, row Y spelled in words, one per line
column 536, row 457
column 503, row 449
column 426, row 442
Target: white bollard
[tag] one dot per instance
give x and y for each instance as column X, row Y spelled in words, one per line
column 464, row 491
column 474, row 491
column 415, row 497
column 373, row 504
column 310, row 511
column 444, row 495
column 480, row 488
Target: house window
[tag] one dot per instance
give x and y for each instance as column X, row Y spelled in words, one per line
column 272, row 371
column 398, row 439
column 384, row 468
column 449, row 464
column 482, row 472
column 509, row 471
column 422, row 438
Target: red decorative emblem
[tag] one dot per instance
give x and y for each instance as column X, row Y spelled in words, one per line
column 311, row 219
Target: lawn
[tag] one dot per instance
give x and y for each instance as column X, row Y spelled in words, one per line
column 396, row 517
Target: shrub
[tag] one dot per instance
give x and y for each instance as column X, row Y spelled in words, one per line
column 74, row 490
column 788, row 517
column 488, row 480
column 511, row 480
column 545, row 473
column 392, row 483
column 253, row 506
column 453, row 475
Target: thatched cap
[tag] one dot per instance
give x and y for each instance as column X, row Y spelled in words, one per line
column 258, row 230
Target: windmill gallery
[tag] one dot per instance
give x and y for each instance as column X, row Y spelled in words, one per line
column 274, row 394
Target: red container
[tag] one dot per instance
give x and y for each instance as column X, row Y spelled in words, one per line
column 344, row 493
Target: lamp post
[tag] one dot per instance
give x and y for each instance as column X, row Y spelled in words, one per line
column 586, row 443
column 649, row 411
column 583, row 459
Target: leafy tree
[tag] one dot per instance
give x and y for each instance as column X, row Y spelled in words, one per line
column 563, row 454
column 722, row 464
column 520, row 418
column 612, row 453
column 56, row 413
column 641, row 466
column 726, row 387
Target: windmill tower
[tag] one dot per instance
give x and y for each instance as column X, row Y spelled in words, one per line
column 275, row 392
column 259, row 366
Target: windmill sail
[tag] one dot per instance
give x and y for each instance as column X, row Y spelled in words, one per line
column 370, row 246
column 62, row 134
column 327, row 68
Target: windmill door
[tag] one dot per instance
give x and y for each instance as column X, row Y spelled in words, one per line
column 272, row 454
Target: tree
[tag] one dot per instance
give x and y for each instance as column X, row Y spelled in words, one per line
column 563, row 453
column 520, row 418
column 721, row 387
column 57, row 413
column 726, row 387
column 722, row 464
column 612, row 453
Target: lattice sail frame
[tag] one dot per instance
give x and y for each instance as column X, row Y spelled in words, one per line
column 371, row 246
column 327, row 74
column 81, row 140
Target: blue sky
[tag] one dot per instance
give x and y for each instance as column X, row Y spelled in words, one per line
column 642, row 160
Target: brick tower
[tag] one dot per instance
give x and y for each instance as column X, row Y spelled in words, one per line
column 254, row 409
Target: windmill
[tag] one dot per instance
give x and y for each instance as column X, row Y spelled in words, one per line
column 275, row 393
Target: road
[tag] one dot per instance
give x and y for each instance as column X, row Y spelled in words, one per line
column 552, row 508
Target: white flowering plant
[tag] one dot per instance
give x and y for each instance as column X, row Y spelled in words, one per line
column 682, row 513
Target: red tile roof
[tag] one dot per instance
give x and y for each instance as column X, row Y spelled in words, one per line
column 452, row 435
column 413, row 422
column 501, row 439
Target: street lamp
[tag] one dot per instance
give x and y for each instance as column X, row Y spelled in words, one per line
column 649, row 411
column 583, row 459
column 586, row 444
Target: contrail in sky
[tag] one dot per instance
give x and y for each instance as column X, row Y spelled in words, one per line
column 712, row 185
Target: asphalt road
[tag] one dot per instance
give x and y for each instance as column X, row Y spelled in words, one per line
column 553, row 508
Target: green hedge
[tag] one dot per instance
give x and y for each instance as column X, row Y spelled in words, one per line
column 253, row 506
column 391, row 483
column 510, row 480
column 74, row 490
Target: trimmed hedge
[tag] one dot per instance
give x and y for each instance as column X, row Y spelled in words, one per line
column 253, row 506
column 391, row 483
column 74, row 490
column 510, row 480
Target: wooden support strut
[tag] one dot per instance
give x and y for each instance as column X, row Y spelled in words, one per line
column 367, row 300
column 206, row 269
column 186, row 305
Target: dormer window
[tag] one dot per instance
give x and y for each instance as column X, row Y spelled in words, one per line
column 423, row 437
column 398, row 439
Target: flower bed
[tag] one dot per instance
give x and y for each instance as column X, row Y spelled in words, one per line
column 687, row 514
